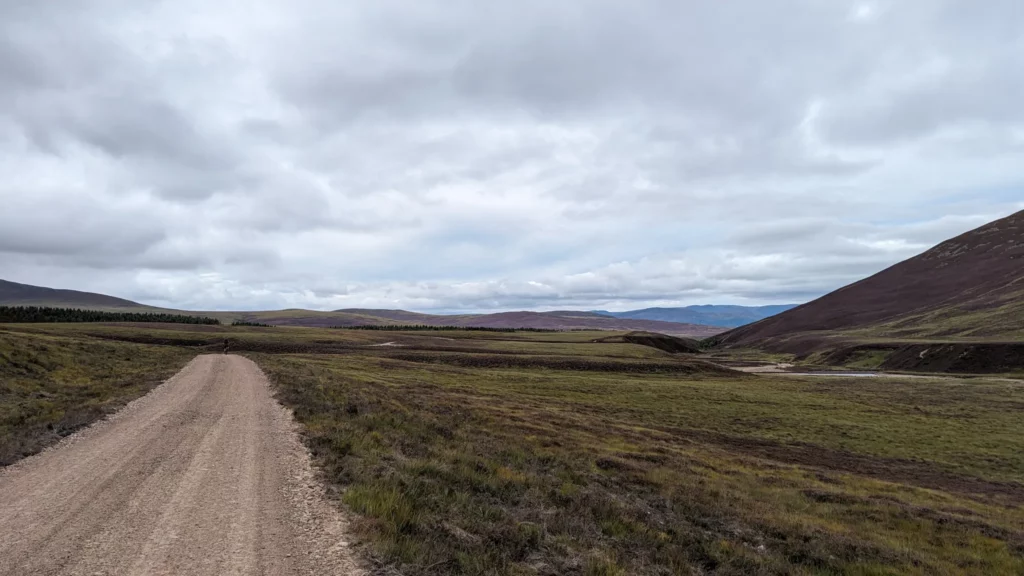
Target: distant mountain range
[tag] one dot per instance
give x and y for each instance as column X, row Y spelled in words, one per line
column 14, row 294
column 958, row 307
column 709, row 314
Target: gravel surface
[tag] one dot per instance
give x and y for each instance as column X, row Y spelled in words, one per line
column 205, row 475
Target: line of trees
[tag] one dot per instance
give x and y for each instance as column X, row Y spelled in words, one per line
column 254, row 324
column 41, row 314
column 409, row 327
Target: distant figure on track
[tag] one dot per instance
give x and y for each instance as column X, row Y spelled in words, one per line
column 225, row 345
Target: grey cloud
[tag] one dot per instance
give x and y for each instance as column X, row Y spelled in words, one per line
column 685, row 55
column 445, row 155
column 784, row 232
column 654, row 64
column 972, row 93
column 951, row 66
column 73, row 228
column 143, row 128
column 698, row 60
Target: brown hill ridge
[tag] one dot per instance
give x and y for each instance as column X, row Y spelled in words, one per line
column 14, row 294
column 969, row 287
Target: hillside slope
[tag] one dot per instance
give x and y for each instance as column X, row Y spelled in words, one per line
column 968, row 288
column 15, row 294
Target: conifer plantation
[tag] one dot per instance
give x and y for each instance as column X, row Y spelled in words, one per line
column 37, row 314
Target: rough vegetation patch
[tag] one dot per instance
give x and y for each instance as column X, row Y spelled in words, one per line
column 461, row 466
column 50, row 387
column 518, row 465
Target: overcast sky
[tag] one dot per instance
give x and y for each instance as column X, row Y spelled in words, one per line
column 481, row 155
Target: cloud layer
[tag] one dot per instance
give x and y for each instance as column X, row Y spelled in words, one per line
column 489, row 155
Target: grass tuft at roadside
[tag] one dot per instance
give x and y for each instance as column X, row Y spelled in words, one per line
column 50, row 386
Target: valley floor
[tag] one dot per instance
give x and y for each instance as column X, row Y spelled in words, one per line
column 480, row 453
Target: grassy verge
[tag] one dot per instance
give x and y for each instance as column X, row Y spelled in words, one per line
column 52, row 385
column 458, row 469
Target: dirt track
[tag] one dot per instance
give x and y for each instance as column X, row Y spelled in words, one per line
column 204, row 476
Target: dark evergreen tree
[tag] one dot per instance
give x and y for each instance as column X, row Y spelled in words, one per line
column 39, row 314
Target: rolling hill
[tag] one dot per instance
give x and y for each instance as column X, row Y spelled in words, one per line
column 710, row 315
column 966, row 291
column 15, row 294
column 563, row 320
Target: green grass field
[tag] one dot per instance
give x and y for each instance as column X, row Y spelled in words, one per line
column 478, row 453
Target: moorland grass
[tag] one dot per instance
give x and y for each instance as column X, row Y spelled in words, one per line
column 568, row 459
column 52, row 385
column 456, row 469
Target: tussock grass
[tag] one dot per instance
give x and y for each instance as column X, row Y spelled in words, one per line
column 51, row 386
column 458, row 469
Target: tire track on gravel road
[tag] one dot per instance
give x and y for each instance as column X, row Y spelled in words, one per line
column 205, row 475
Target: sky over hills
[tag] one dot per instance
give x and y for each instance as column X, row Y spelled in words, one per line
column 463, row 155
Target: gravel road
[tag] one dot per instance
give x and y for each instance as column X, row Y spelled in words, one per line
column 203, row 476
